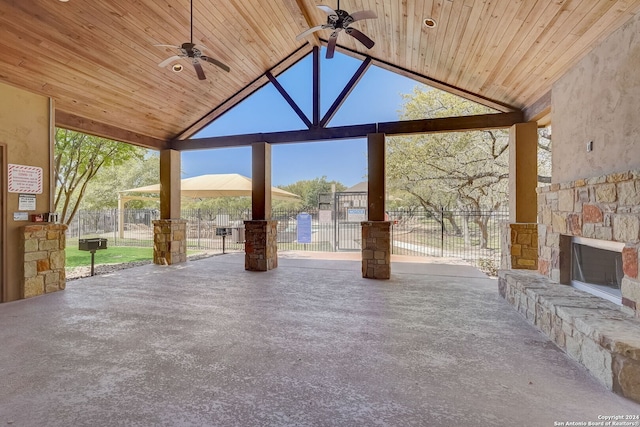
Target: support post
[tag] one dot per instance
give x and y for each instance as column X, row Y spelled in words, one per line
column 121, row 203
column 376, row 232
column 520, row 237
column 169, row 232
column 523, row 172
column 261, row 249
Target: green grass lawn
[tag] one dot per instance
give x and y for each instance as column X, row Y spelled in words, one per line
column 113, row 255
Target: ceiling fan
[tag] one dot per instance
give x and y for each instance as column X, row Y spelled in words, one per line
column 338, row 20
column 192, row 51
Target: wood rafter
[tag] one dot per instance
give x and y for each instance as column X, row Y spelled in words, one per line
column 539, row 110
column 289, row 100
column 449, row 124
column 342, row 97
column 80, row 124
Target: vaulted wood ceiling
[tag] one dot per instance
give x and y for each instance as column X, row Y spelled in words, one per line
column 98, row 61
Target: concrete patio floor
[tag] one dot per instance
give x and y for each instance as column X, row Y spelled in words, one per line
column 308, row 344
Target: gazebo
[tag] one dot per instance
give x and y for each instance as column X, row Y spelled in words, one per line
column 203, row 186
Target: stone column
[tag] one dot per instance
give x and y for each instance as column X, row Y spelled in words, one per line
column 520, row 237
column 376, row 249
column 43, row 259
column 376, row 232
column 261, row 239
column 519, row 246
column 261, row 247
column 169, row 241
column 170, row 232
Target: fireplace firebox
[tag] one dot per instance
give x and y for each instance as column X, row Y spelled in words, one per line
column 596, row 267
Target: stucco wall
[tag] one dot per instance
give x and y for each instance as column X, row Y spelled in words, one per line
column 599, row 100
column 25, row 130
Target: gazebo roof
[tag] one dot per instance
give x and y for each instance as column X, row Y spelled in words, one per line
column 214, row 185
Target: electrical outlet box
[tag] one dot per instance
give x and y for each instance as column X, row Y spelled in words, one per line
column 589, row 146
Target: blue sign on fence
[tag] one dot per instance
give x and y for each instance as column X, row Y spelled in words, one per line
column 304, row 227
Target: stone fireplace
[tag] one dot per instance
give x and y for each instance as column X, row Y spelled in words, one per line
column 603, row 212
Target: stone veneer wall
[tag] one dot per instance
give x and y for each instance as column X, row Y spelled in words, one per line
column 44, row 259
column 376, row 249
column 605, row 207
column 169, row 241
column 261, row 245
column 519, row 246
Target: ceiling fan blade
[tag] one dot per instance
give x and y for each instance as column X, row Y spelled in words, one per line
column 333, row 15
column 199, row 70
column 216, row 62
column 331, row 46
column 168, row 61
column 363, row 14
column 361, row 37
column 326, row 9
column 309, row 31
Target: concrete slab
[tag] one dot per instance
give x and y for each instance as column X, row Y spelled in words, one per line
column 308, row 344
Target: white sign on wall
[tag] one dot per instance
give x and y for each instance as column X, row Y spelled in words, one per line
column 27, row 202
column 25, row 179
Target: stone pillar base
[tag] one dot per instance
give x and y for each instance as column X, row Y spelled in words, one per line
column 519, row 246
column 169, row 241
column 44, row 259
column 261, row 245
column 376, row 249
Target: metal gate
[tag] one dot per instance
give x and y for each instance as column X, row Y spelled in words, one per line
column 350, row 209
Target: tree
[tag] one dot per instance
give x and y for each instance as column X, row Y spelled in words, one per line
column 467, row 171
column 102, row 190
column 78, row 158
column 309, row 189
column 544, row 155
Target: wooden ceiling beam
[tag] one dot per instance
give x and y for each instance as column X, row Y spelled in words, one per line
column 452, row 124
column 80, row 124
column 287, row 137
column 316, row 86
column 447, row 124
column 539, row 111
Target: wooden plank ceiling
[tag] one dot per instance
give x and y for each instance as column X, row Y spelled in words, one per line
column 98, row 61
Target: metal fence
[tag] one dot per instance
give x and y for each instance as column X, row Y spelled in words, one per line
column 469, row 235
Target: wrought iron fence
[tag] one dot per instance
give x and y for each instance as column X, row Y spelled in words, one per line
column 470, row 235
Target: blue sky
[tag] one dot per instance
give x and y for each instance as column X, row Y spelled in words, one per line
column 376, row 98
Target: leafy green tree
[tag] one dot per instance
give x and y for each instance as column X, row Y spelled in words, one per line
column 309, row 189
column 102, row 191
column 467, row 171
column 78, row 158
column 220, row 204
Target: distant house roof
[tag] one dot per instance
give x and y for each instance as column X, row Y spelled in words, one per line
column 361, row 187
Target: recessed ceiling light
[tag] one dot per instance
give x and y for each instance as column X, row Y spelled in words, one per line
column 430, row 22
column 177, row 68
column 63, row 1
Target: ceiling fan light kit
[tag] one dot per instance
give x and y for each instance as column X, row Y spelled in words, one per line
column 194, row 53
column 339, row 20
